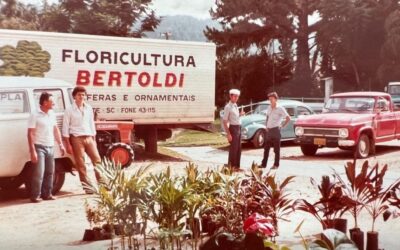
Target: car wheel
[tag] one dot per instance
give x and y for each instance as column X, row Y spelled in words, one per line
column 121, row 153
column 363, row 147
column 309, row 150
column 259, row 139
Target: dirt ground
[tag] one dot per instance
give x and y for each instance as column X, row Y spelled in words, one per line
column 60, row 224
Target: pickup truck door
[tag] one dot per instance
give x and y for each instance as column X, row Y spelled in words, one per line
column 386, row 121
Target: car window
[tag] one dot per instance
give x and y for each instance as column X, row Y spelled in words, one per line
column 261, row 109
column 59, row 104
column 303, row 111
column 13, row 102
column 290, row 111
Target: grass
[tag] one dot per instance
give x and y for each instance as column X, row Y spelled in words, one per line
column 163, row 154
column 193, row 138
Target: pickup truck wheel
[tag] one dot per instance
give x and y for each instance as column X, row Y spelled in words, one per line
column 259, row 139
column 309, row 150
column 121, row 153
column 363, row 147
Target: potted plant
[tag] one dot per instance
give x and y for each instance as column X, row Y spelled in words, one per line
column 169, row 208
column 332, row 239
column 275, row 199
column 331, row 205
column 357, row 190
column 378, row 203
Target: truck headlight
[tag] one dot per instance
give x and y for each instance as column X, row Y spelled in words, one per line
column 343, row 133
column 299, row 131
column 244, row 131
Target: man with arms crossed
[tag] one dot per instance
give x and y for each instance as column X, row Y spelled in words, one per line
column 275, row 115
column 79, row 134
column 42, row 130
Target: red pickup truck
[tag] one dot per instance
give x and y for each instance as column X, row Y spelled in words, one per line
column 351, row 121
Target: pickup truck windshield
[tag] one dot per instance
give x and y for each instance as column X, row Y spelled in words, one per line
column 350, row 105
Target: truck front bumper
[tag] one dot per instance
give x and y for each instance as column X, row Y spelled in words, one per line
column 331, row 142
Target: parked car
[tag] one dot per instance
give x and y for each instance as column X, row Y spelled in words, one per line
column 351, row 121
column 253, row 123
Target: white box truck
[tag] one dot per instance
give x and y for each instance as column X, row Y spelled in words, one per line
column 157, row 84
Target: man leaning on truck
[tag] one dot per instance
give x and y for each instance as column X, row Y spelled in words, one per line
column 42, row 130
column 79, row 135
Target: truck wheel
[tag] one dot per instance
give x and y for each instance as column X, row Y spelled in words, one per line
column 309, row 150
column 58, row 181
column 363, row 147
column 121, row 153
column 11, row 183
column 259, row 139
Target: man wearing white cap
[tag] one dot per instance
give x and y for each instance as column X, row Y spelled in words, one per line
column 231, row 121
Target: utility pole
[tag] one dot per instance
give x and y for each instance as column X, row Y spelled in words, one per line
column 167, row 35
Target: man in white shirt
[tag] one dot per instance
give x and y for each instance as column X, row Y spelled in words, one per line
column 42, row 130
column 231, row 121
column 79, row 135
column 275, row 115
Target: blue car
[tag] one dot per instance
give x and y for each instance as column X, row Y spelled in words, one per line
column 253, row 123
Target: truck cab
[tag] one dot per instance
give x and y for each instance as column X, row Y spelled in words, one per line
column 351, row 121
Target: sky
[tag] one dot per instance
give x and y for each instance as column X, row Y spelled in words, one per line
column 196, row 8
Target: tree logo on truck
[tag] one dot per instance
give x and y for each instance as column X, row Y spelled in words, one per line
column 26, row 59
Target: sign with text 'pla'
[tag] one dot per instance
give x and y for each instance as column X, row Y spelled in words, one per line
column 149, row 81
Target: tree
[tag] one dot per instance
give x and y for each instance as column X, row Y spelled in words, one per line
column 350, row 36
column 389, row 70
column 15, row 15
column 279, row 30
column 101, row 17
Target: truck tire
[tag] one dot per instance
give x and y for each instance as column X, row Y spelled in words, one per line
column 121, row 153
column 259, row 139
column 309, row 150
column 58, row 181
column 11, row 183
column 363, row 147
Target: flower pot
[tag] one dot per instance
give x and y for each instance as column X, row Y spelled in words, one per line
column 204, row 223
column 341, row 225
column 118, row 229
column 328, row 224
column 88, row 235
column 138, row 228
column 357, row 236
column 372, row 240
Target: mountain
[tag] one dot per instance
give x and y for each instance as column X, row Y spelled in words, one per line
column 183, row 28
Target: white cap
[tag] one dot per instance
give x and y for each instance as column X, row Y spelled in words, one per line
column 234, row 92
